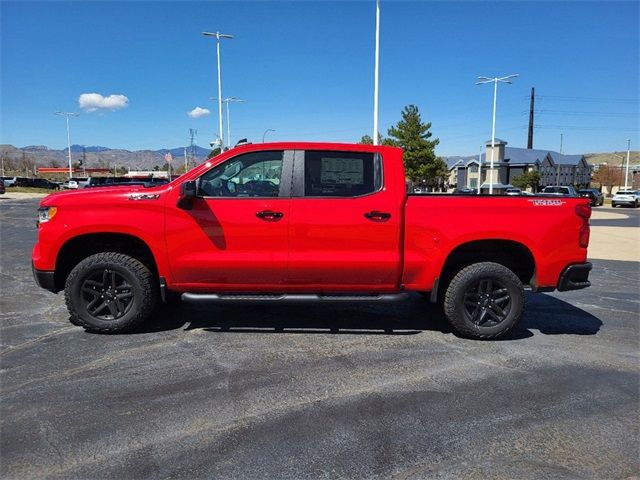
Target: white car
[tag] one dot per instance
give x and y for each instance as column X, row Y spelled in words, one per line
column 513, row 191
column 70, row 184
column 630, row 198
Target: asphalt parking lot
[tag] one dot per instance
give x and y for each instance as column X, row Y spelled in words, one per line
column 325, row 391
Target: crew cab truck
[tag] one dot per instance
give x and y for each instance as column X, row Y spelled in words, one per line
column 305, row 222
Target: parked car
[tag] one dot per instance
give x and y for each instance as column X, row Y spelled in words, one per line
column 70, row 185
column 120, row 181
column 596, row 197
column 630, row 198
column 305, row 222
column 2, row 189
column 465, row 191
column 560, row 190
column 513, row 191
column 36, row 182
column 9, row 181
column 43, row 183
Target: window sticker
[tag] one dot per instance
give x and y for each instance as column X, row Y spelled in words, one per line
column 349, row 171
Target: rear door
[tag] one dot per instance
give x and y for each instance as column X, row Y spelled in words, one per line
column 344, row 223
column 235, row 236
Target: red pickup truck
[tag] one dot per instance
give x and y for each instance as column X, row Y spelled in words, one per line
column 305, row 222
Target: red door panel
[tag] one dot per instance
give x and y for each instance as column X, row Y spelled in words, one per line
column 351, row 244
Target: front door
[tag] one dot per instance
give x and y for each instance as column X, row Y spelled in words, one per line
column 235, row 236
column 345, row 225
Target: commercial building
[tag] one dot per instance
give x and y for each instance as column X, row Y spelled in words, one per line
column 509, row 162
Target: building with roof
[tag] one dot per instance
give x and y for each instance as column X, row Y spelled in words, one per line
column 509, row 162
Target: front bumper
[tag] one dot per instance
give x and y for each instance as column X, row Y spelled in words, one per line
column 575, row 277
column 44, row 279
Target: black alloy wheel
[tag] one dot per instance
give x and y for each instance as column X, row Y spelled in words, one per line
column 487, row 302
column 484, row 300
column 106, row 294
column 110, row 292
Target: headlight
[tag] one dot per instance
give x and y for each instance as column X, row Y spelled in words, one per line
column 46, row 213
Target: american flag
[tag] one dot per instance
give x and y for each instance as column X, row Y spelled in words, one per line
column 168, row 157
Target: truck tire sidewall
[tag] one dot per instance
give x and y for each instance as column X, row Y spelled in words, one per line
column 454, row 299
column 137, row 277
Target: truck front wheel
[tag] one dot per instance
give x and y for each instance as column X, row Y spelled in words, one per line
column 110, row 292
column 484, row 301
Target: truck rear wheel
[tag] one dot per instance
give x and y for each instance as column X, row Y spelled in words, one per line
column 484, row 301
column 110, row 292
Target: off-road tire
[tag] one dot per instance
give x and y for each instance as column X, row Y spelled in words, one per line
column 143, row 286
column 463, row 283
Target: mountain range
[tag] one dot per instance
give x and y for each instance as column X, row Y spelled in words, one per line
column 97, row 156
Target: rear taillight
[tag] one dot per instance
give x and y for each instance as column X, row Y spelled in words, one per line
column 583, row 210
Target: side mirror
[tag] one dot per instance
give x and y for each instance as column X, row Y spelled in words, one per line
column 187, row 194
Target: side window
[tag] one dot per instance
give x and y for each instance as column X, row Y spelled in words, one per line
column 256, row 174
column 341, row 174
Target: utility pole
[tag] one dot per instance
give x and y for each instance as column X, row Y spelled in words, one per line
column 494, row 80
column 558, row 165
column 84, row 161
column 218, row 36
column 375, row 75
column 530, row 136
column 193, row 134
column 67, row 115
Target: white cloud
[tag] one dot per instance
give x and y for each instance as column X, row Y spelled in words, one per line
column 198, row 112
column 94, row 101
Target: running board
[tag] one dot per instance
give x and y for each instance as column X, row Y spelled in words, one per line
column 290, row 297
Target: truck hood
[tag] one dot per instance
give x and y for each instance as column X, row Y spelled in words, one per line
column 87, row 195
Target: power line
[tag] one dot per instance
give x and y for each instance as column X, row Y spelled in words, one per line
column 587, row 114
column 588, row 99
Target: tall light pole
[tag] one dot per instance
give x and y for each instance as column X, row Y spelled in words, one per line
column 218, row 36
column 480, row 170
column 375, row 75
column 626, row 172
column 265, row 133
column 621, row 166
column 67, row 115
column 495, row 81
column 227, row 101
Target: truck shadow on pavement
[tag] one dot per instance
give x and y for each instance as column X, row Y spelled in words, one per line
column 547, row 314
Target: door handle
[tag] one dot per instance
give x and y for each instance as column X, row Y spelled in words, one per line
column 269, row 215
column 376, row 215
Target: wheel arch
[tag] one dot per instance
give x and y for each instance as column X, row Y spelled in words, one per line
column 512, row 254
column 77, row 248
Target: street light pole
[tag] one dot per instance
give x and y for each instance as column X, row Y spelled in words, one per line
column 218, row 36
column 227, row 101
column 265, row 133
column 375, row 75
column 494, row 80
column 480, row 170
column 67, row 115
column 626, row 172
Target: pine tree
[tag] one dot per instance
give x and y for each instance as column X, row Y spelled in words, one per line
column 420, row 161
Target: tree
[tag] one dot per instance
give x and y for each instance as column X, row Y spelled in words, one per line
column 213, row 153
column 420, row 161
column 527, row 179
column 608, row 176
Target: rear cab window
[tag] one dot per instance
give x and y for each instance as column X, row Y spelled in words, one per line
column 341, row 174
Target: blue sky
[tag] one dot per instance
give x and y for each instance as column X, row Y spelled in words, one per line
column 306, row 70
